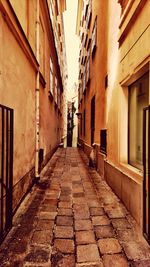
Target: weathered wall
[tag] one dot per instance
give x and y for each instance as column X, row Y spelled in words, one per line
column 18, row 73
column 125, row 65
column 18, row 92
column 26, row 13
column 50, row 119
column 97, row 74
column 123, row 53
column 129, row 190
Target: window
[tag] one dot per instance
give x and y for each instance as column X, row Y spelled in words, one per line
column 88, row 68
column 138, row 100
column 94, row 37
column 51, row 76
column 84, row 81
column 84, row 122
column 55, row 93
column 103, row 141
column 42, row 48
column 81, row 125
column 58, row 97
column 89, row 13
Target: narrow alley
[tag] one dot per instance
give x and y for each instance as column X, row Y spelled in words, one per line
column 72, row 218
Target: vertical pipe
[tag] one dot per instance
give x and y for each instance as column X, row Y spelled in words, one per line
column 148, row 114
column 37, row 176
column 2, row 174
column 144, row 171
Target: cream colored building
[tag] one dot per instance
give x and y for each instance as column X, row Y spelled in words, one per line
column 57, row 9
column 32, row 88
column 113, row 98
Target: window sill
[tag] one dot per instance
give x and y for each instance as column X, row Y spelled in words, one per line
column 133, row 172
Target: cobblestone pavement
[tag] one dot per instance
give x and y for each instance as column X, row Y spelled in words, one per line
column 72, row 218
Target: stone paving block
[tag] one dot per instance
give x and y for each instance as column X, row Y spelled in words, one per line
column 127, row 235
column 79, row 200
column 104, row 231
column 44, row 215
column 50, row 202
column 80, row 206
column 64, row 220
column 100, row 220
column 96, row 211
column 33, row 265
column 114, row 211
column 64, row 232
column 38, row 255
column 85, row 237
column 93, row 203
column 80, row 194
column 109, row 246
column 62, row 260
column 81, row 215
column 53, row 196
column 64, row 245
column 136, row 250
column 65, row 198
column 121, row 223
column 83, row 225
column 48, row 208
column 42, row 237
column 141, row 263
column 16, row 247
column 90, row 194
column 77, row 190
column 91, row 264
column 116, row 260
column 65, row 212
column 87, row 253
column 65, row 204
column 76, row 177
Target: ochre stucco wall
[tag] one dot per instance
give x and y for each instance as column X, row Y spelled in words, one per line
column 50, row 119
column 124, row 60
column 98, row 71
column 18, row 92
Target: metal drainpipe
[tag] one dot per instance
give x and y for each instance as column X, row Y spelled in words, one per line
column 37, row 176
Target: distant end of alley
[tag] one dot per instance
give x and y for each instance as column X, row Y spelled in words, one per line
column 72, row 218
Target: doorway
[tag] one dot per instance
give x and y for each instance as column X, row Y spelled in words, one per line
column 6, row 169
column 92, row 119
column 146, row 180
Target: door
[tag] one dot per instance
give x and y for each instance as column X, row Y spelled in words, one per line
column 92, row 119
column 146, row 180
column 6, row 169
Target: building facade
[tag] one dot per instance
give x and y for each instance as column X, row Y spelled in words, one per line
column 114, row 97
column 32, row 85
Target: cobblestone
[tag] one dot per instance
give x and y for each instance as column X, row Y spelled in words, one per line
column 64, row 232
column 85, row 237
column 109, row 246
column 64, row 245
column 104, row 231
column 73, row 219
column 117, row 260
column 87, row 253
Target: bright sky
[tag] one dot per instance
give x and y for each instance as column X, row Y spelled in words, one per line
column 72, row 42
